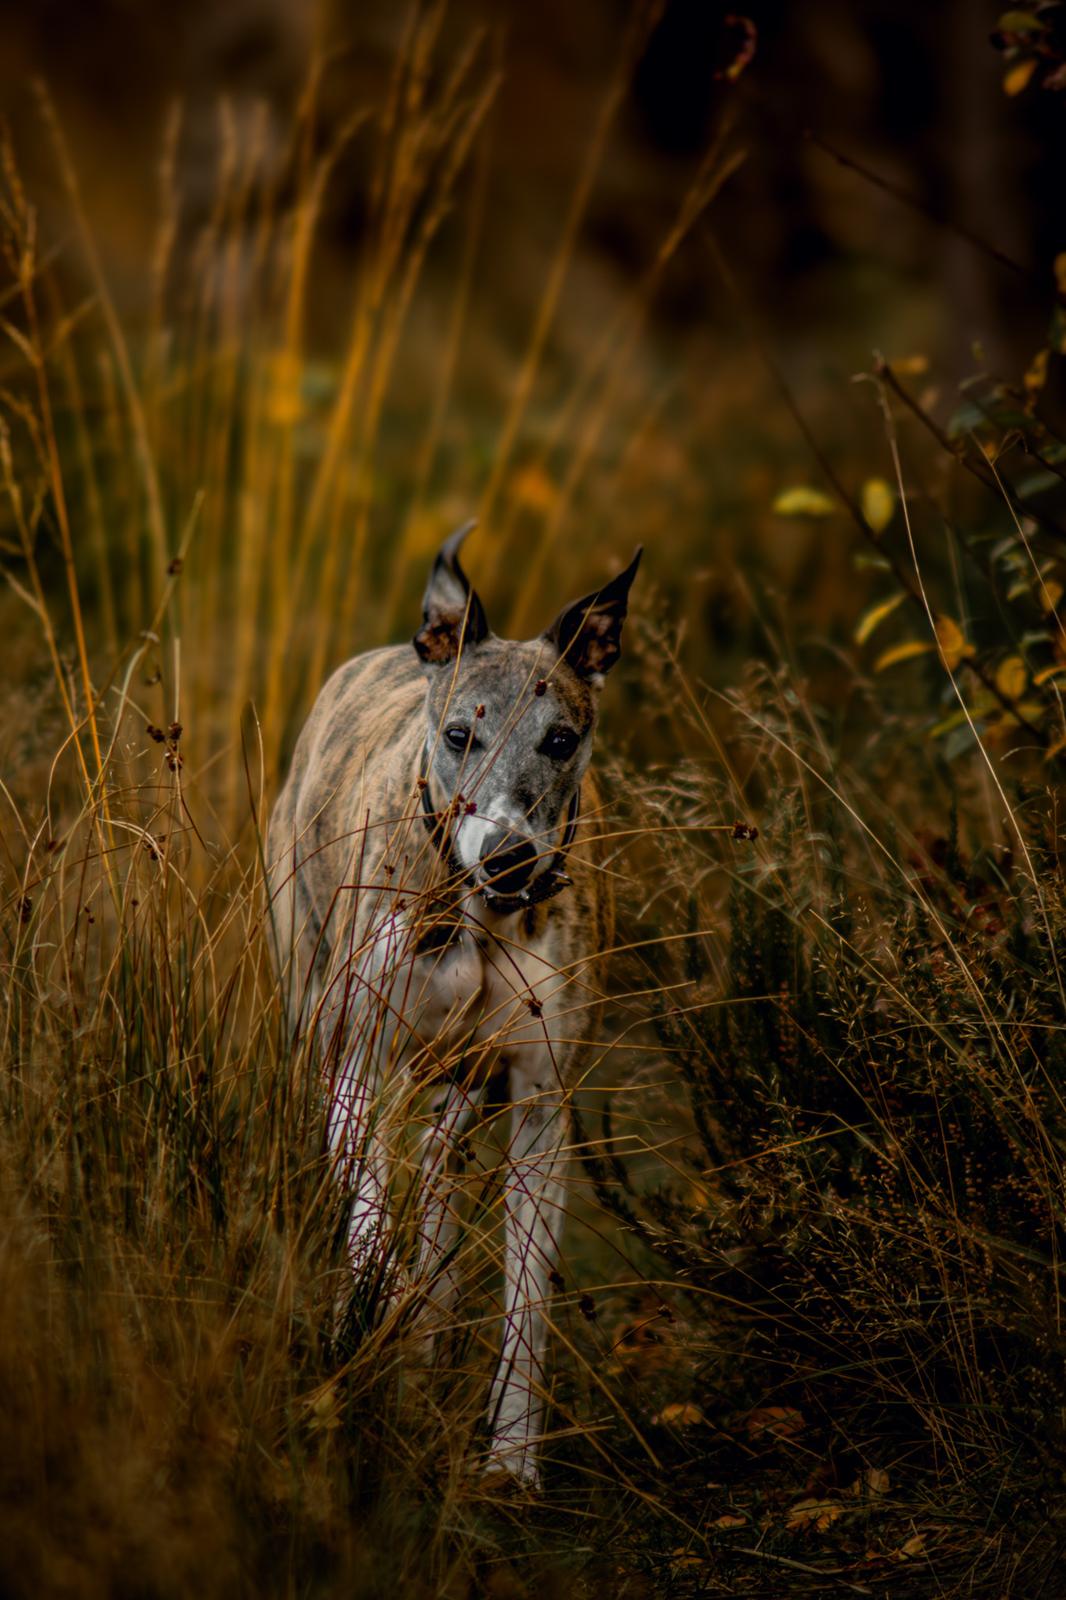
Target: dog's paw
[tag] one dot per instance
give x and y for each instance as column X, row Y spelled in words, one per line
column 510, row 1474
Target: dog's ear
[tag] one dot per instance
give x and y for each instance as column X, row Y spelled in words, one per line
column 588, row 633
column 453, row 617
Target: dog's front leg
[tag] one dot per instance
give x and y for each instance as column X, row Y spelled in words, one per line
column 533, row 1197
column 357, row 1140
column 453, row 1112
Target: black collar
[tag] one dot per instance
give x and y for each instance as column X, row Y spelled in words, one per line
column 545, row 885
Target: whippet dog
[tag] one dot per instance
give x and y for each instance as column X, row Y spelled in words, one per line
column 440, row 914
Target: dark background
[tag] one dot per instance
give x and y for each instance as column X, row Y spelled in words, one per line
column 912, row 90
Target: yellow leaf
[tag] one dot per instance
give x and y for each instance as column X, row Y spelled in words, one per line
column 803, row 501
column 875, row 616
column 680, row 1414
column 951, row 642
column 1011, row 677
column 817, row 1514
column 1036, row 372
column 910, row 366
column 1047, row 672
column 911, row 1549
column 1055, row 749
column 878, row 503
column 1050, row 594
column 1016, row 79
column 902, row 652
column 729, row 1521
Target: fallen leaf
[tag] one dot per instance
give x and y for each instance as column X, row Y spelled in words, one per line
column 803, row 501
column 878, row 503
column 679, row 1414
column 875, row 616
column 1016, row 79
column 729, row 1521
column 869, row 1485
column 817, row 1514
column 912, row 1549
column 1011, row 677
column 1048, row 672
column 902, row 652
column 784, row 1422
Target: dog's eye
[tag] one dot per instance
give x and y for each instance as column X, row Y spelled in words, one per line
column 458, row 737
column 560, row 744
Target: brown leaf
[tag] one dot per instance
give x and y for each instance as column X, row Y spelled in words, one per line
column 783, row 1422
column 816, row 1514
column 679, row 1414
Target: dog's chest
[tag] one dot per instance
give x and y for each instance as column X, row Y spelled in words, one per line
column 492, row 990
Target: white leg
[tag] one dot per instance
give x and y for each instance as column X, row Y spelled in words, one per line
column 353, row 1029
column 533, row 1197
column 454, row 1109
column 362, row 1159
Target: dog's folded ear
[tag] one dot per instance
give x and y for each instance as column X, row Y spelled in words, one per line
column 453, row 617
column 588, row 633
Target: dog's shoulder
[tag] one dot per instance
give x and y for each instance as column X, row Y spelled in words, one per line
column 355, row 735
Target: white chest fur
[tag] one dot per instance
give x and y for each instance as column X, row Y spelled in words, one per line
column 485, row 999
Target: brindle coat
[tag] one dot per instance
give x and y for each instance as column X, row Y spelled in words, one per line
column 447, row 948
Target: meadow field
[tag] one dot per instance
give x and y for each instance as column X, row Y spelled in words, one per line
column 807, row 1333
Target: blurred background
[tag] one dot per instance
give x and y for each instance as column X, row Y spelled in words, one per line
column 564, row 267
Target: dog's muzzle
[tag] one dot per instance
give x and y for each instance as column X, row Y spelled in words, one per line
column 507, row 863
column 506, row 877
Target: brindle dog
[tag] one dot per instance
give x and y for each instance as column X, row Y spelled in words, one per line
column 440, row 915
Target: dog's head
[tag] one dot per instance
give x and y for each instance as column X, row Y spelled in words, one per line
column 510, row 723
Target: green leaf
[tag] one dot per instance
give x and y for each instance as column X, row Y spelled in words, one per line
column 803, row 501
column 967, row 417
column 1037, row 482
column 1019, row 22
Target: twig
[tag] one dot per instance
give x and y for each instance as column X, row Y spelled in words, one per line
column 800, row 1566
column 907, row 198
column 977, row 470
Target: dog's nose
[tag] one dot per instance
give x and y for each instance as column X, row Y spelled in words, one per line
column 507, row 862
